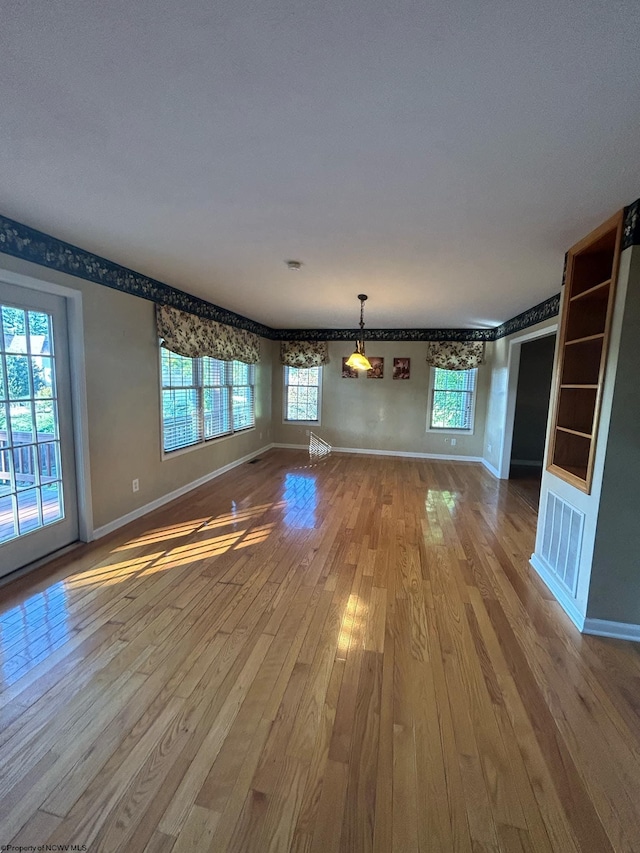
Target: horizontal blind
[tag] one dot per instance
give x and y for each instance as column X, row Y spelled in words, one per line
column 216, row 397
column 204, row 398
column 181, row 420
column 243, row 401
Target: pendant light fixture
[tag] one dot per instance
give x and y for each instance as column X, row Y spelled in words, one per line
column 358, row 359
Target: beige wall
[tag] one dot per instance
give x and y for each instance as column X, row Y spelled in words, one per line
column 380, row 414
column 123, row 401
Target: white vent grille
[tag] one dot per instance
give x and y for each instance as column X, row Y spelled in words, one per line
column 562, row 540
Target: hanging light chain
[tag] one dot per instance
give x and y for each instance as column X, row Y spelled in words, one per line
column 362, row 297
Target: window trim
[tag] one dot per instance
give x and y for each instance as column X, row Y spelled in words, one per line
column 285, row 419
column 199, row 445
column 450, row 430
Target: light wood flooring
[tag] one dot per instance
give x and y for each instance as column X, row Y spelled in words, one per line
column 347, row 656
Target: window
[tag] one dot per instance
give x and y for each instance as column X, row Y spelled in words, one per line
column 204, row 398
column 452, row 399
column 302, row 394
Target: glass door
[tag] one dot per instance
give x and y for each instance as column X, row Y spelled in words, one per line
column 38, row 501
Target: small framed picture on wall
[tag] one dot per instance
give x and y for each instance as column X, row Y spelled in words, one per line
column 377, row 368
column 401, row 368
column 348, row 372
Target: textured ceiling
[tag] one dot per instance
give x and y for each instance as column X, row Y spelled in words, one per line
column 440, row 157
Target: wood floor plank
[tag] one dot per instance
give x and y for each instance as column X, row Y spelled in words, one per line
column 366, row 665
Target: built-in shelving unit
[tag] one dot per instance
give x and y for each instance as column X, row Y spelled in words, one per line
column 592, row 268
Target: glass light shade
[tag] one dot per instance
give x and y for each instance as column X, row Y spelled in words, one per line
column 359, row 361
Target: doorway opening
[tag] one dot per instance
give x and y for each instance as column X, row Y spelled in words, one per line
column 532, row 400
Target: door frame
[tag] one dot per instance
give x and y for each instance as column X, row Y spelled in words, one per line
column 513, row 369
column 75, row 329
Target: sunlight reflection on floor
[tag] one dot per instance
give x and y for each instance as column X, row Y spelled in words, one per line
column 30, row 632
column 301, row 500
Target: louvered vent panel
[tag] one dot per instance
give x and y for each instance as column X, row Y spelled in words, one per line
column 562, row 540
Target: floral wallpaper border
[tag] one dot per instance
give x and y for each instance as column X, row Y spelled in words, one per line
column 549, row 308
column 384, row 334
column 631, row 226
column 27, row 243
column 39, row 248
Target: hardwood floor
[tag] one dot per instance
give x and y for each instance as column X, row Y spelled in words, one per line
column 526, row 481
column 347, row 656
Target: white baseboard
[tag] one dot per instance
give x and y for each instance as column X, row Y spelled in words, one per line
column 615, row 630
column 567, row 603
column 409, row 454
column 99, row 532
column 492, row 469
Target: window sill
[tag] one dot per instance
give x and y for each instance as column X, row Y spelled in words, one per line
column 449, row 431
column 301, row 423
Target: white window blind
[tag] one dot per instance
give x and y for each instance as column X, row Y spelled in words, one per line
column 204, row 398
column 216, row 397
column 243, row 395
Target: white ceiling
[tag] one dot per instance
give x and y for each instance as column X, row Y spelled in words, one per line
column 440, row 156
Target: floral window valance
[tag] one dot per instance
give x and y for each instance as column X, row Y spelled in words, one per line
column 304, row 353
column 193, row 337
column 455, row 355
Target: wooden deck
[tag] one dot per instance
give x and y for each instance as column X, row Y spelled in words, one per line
column 28, row 512
column 348, row 656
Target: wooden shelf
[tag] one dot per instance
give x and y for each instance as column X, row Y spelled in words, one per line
column 574, row 387
column 581, row 362
column 574, row 476
column 588, row 314
column 574, row 432
column 597, row 337
column 587, row 306
column 591, row 290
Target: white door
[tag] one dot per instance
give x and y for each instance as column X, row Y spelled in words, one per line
column 38, row 495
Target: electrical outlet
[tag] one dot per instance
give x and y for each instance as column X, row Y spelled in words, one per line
column 135, row 484
column 454, row 441
column 306, row 432
column 488, row 448
column 260, row 435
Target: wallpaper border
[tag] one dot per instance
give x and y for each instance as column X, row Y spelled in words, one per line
column 29, row 244
column 543, row 311
column 631, row 226
column 385, row 334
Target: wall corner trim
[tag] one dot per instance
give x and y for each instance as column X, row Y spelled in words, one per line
column 565, row 601
column 99, row 532
column 491, row 468
column 615, row 630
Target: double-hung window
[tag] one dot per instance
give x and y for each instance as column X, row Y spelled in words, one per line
column 204, row 398
column 302, row 394
column 452, row 400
